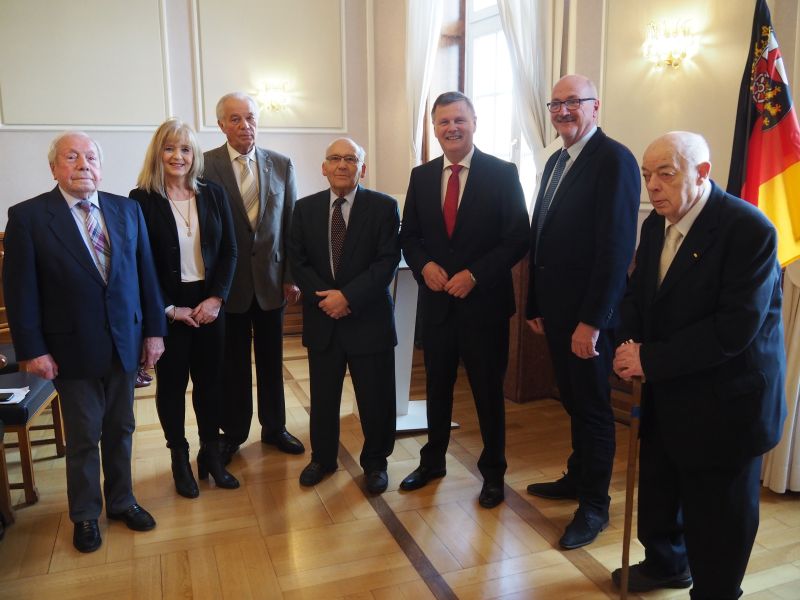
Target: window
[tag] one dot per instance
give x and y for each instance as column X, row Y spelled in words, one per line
column 473, row 58
column 489, row 82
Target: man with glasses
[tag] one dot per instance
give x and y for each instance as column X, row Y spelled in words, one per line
column 344, row 251
column 583, row 237
column 261, row 188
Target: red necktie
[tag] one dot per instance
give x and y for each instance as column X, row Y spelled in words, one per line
column 451, row 200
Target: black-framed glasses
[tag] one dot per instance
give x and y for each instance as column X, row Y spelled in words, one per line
column 336, row 159
column 571, row 104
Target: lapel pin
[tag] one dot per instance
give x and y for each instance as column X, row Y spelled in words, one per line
column 695, row 255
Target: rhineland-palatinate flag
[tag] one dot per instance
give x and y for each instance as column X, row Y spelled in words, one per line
column 765, row 163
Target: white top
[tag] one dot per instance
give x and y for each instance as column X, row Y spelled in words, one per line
column 192, row 267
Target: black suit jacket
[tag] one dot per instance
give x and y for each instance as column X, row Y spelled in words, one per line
column 217, row 240
column 56, row 298
column 712, row 338
column 588, row 238
column 491, row 235
column 368, row 263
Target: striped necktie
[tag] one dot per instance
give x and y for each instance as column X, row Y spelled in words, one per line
column 101, row 250
column 558, row 171
column 248, row 188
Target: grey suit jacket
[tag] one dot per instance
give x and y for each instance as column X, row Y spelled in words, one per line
column 261, row 267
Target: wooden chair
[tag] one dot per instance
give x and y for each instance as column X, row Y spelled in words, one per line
column 6, row 510
column 19, row 418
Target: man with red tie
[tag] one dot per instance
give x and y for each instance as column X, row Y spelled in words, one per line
column 465, row 225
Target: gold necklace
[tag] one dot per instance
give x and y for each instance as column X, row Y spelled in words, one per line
column 187, row 221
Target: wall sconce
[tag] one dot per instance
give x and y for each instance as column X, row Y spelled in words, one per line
column 668, row 43
column 273, row 97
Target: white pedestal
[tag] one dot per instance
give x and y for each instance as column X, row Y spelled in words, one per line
column 411, row 415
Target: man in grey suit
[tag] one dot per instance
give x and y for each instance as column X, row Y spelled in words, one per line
column 262, row 191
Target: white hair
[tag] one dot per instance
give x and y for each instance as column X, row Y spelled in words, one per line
column 52, row 150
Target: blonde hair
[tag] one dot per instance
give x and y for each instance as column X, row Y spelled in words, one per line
column 151, row 177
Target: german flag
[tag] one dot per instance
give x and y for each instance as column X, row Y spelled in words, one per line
column 765, row 163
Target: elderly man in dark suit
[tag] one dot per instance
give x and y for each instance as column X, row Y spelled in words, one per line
column 701, row 323
column 344, row 251
column 82, row 293
column 464, row 226
column 261, row 188
column 583, row 237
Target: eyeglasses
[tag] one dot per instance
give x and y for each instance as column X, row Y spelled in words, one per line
column 571, row 104
column 336, row 159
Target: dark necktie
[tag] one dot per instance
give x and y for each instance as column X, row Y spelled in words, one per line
column 338, row 231
column 100, row 247
column 558, row 171
column 450, row 208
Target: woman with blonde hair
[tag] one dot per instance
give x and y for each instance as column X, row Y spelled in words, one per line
column 191, row 234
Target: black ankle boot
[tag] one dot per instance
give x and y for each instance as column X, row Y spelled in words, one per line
column 185, row 483
column 210, row 461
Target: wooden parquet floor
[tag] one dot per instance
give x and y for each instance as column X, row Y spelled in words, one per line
column 272, row 538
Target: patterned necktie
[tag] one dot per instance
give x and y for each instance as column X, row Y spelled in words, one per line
column 558, row 171
column 450, row 208
column 671, row 241
column 100, row 246
column 338, row 231
column 248, row 189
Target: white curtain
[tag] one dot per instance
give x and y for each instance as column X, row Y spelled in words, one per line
column 781, row 470
column 534, row 33
column 423, row 28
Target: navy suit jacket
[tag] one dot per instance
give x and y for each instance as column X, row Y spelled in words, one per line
column 217, row 240
column 588, row 238
column 369, row 259
column 56, row 299
column 491, row 235
column 712, row 338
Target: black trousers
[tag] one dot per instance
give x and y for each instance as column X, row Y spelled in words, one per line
column 264, row 330
column 586, row 396
column 197, row 352
column 483, row 346
column 374, row 385
column 704, row 517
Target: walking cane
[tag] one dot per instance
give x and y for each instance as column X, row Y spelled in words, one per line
column 630, row 484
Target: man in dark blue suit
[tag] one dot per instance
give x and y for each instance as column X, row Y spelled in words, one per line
column 465, row 226
column 583, row 237
column 344, row 251
column 85, row 310
column 701, row 323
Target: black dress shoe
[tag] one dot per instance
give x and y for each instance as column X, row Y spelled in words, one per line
column 584, row 528
column 226, row 451
column 639, row 580
column 420, row 477
column 314, row 473
column 86, row 536
column 285, row 442
column 377, row 481
column 562, row 489
column 492, row 494
column 135, row 517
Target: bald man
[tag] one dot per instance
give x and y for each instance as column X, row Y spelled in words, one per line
column 701, row 323
column 583, row 237
column 343, row 251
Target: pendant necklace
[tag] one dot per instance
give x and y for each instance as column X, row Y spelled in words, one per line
column 187, row 221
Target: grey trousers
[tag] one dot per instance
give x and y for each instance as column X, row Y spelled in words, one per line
column 98, row 422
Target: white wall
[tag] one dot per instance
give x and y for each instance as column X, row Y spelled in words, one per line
column 24, row 171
